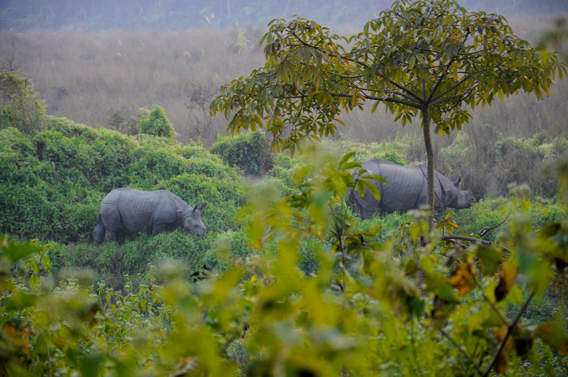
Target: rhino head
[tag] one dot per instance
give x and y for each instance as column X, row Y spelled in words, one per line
column 192, row 222
column 464, row 199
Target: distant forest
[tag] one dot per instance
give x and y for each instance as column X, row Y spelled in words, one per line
column 163, row 15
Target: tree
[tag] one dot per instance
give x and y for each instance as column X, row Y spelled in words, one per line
column 20, row 106
column 429, row 59
column 156, row 123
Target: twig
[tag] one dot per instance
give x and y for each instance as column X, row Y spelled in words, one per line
column 471, row 239
column 488, row 229
column 509, row 331
column 495, row 309
column 462, row 351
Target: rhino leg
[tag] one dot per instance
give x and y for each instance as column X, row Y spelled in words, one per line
column 99, row 233
column 110, row 235
column 159, row 228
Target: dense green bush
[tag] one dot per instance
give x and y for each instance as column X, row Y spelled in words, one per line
column 20, row 106
column 250, row 152
column 111, row 262
column 156, row 123
column 51, row 184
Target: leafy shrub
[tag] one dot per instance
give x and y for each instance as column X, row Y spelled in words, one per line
column 492, row 212
column 366, row 310
column 156, row 123
column 224, row 197
column 20, row 106
column 111, row 262
column 489, row 164
column 126, row 122
column 250, row 152
column 393, row 151
column 53, row 183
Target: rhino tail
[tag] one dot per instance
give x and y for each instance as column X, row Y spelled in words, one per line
column 99, row 231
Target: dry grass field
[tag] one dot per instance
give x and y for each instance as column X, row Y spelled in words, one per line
column 103, row 79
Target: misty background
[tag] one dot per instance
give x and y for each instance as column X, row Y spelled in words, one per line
column 164, row 15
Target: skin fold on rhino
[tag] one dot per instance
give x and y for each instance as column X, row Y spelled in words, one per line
column 146, row 211
column 407, row 189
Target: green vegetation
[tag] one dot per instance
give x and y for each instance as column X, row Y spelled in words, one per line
column 156, row 123
column 288, row 282
column 54, row 182
column 366, row 308
column 21, row 106
column 250, row 152
column 431, row 60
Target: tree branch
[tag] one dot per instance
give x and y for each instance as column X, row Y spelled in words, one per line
column 463, row 352
column 440, row 80
column 337, row 56
column 509, row 331
column 465, row 94
column 450, row 89
column 471, row 239
column 392, row 92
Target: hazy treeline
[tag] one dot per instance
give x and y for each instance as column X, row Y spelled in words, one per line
column 103, row 79
column 23, row 15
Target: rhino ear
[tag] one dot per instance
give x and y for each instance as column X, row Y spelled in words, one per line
column 200, row 207
column 458, row 183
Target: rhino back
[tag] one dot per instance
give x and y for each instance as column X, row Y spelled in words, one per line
column 141, row 210
column 402, row 192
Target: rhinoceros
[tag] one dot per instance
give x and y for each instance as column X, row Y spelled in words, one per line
column 146, row 211
column 407, row 189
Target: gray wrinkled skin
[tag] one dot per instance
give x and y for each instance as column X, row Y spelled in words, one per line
column 146, row 211
column 407, row 189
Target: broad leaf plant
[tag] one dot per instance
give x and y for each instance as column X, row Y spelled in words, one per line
column 428, row 59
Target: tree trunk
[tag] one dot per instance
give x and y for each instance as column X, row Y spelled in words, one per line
column 430, row 157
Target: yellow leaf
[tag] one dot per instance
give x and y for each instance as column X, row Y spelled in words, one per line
column 463, row 278
column 546, row 90
column 506, row 281
column 554, row 335
column 500, row 94
column 258, row 245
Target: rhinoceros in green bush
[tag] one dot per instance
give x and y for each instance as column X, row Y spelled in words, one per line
column 407, row 189
column 146, row 211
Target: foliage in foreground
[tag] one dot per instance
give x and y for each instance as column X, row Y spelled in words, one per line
column 406, row 306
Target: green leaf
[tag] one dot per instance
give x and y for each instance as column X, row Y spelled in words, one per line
column 17, row 251
column 411, row 62
column 490, row 258
column 515, row 295
column 375, row 177
column 374, row 190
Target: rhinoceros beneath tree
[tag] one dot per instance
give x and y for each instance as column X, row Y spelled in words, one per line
column 407, row 189
column 146, row 211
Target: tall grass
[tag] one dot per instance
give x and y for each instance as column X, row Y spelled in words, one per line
column 90, row 78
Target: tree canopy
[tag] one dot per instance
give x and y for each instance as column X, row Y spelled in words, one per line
column 429, row 59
